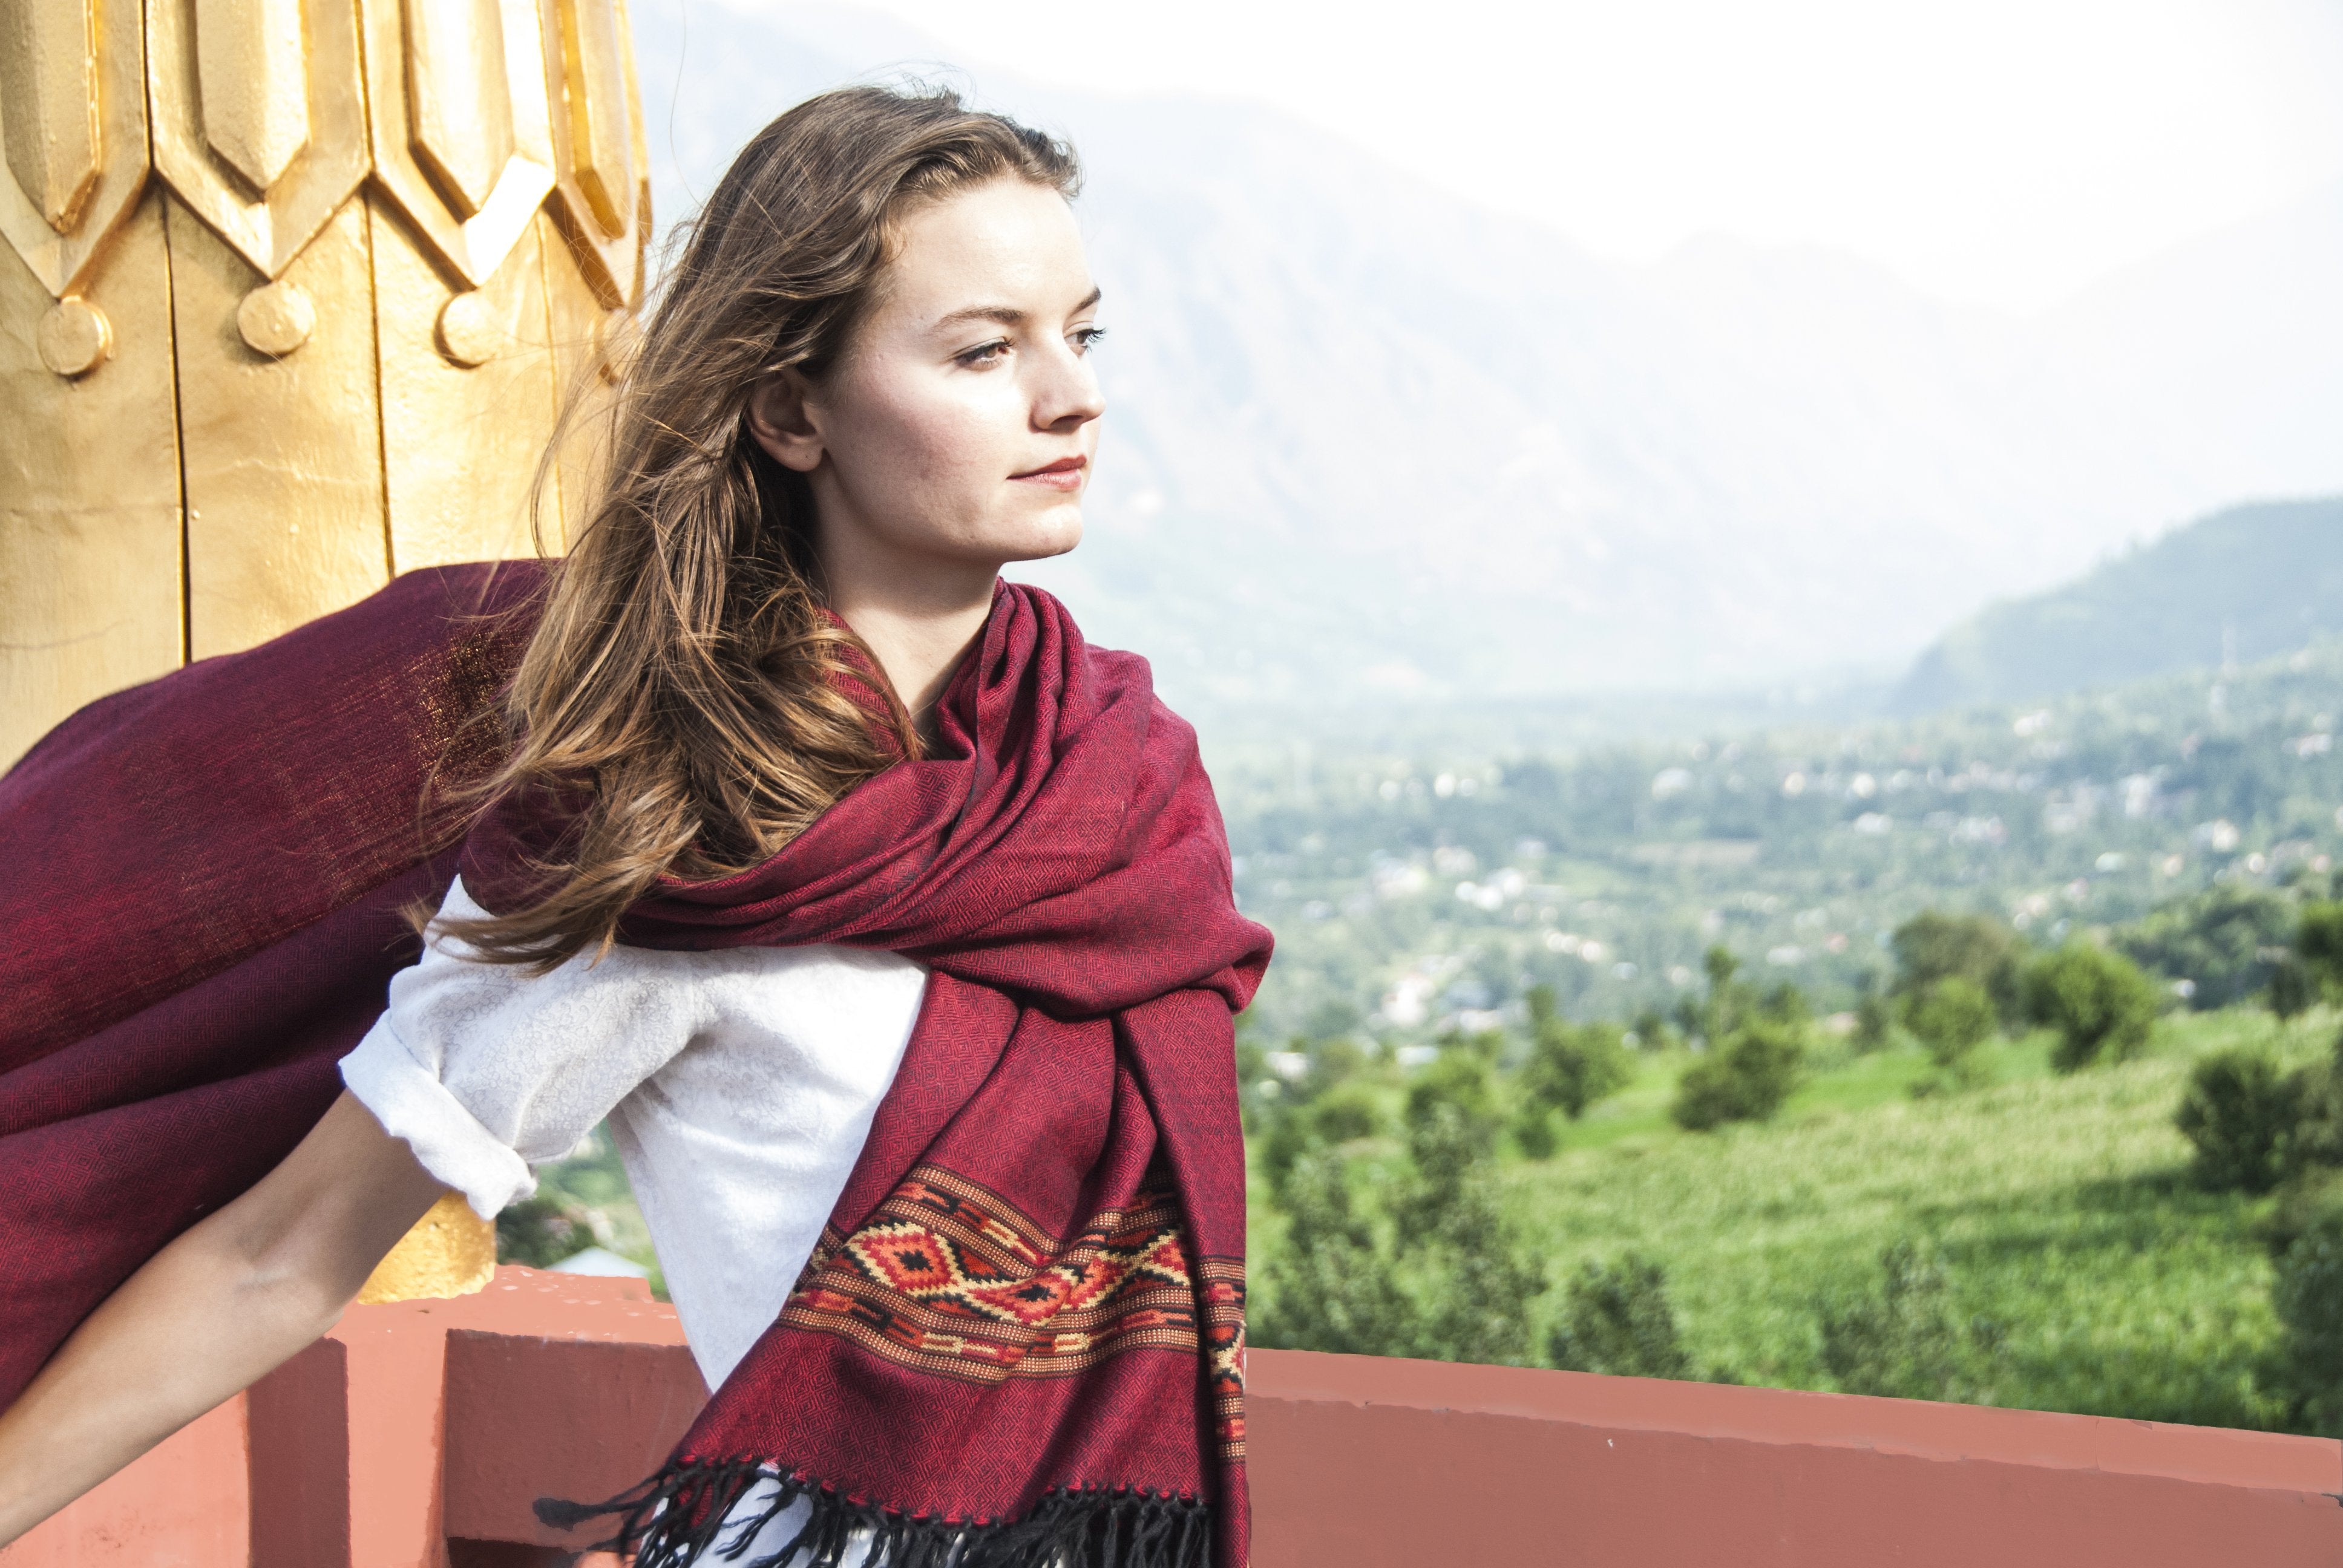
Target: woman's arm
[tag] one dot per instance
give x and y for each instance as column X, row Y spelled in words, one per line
column 235, row 1295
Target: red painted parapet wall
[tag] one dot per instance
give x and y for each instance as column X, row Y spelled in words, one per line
column 418, row 1435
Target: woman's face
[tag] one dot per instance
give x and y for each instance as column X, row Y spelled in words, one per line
column 958, row 430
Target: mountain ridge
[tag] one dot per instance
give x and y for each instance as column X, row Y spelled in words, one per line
column 2244, row 585
column 1369, row 441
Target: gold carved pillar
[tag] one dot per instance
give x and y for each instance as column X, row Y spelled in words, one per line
column 292, row 293
column 294, row 290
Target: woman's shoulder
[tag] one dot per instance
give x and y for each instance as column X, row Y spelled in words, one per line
column 626, row 963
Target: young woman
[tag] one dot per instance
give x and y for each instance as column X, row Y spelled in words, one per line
column 888, row 924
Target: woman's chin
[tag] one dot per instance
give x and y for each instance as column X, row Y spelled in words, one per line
column 1052, row 535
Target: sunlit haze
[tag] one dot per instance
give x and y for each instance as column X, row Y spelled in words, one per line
column 2001, row 151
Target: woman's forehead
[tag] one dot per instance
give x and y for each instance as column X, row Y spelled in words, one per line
column 1005, row 247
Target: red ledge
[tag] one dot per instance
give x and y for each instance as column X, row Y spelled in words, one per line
column 1788, row 1417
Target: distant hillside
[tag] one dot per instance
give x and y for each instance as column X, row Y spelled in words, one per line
column 2242, row 585
column 1369, row 443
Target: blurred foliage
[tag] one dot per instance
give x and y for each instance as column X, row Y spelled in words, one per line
column 1617, row 1321
column 1934, row 947
column 540, row 1231
column 1951, row 1016
column 2064, row 1256
column 1569, row 1068
column 2227, row 943
column 1905, row 1340
column 590, row 1186
column 1746, row 1079
column 2243, row 1113
column 1423, row 1262
column 2098, row 1002
column 2308, row 1296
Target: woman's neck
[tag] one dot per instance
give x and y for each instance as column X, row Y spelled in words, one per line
column 916, row 623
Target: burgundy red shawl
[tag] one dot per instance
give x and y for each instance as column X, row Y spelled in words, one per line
column 1020, row 1340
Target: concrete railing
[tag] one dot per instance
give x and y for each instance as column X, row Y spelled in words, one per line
column 418, row 1434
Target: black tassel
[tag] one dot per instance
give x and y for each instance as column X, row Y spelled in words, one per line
column 676, row 1518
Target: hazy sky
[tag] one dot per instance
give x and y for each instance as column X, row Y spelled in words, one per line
column 2005, row 151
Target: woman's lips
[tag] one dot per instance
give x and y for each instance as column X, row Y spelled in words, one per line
column 1065, row 473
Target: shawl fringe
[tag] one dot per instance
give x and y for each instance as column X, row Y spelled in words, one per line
column 681, row 1517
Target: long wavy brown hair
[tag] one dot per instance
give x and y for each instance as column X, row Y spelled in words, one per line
column 681, row 692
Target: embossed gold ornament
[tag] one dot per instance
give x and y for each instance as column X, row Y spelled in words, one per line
column 75, row 335
column 73, row 127
column 48, row 81
column 459, row 116
column 276, row 319
column 601, row 168
column 260, row 117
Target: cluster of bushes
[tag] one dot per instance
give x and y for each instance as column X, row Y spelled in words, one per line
column 2256, row 1128
column 1755, row 1050
column 1397, row 1241
column 1432, row 1268
column 1963, row 979
column 1907, row 1340
column 2253, row 1125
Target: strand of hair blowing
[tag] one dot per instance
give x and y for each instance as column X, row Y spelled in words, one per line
column 680, row 703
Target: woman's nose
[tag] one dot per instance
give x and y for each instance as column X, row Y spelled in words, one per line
column 1069, row 394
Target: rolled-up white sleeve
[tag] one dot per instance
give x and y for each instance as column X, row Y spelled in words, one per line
column 485, row 1069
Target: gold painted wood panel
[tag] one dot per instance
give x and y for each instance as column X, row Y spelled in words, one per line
column 487, row 55
column 460, row 442
column 283, row 457
column 220, row 151
column 58, row 230
column 579, row 326
column 49, row 124
column 89, row 493
column 598, row 146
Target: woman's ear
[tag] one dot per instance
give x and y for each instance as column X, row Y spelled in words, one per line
column 781, row 422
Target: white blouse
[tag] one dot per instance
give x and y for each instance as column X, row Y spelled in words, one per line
column 739, row 1085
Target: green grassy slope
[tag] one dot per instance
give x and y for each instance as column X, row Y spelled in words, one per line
column 2061, row 1207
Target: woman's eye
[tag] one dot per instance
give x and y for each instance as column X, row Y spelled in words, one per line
column 1087, row 338
column 986, row 352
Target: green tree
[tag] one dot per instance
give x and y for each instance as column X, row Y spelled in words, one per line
column 2318, row 1091
column 1440, row 1272
column 2098, row 1002
column 1341, row 1114
column 541, row 1230
column 1874, row 1018
column 2293, row 989
column 2313, row 970
column 1745, row 1080
column 1933, row 946
column 2226, row 942
column 1952, row 1017
column 1906, row 1340
column 2243, row 1115
column 1570, row 1067
column 2307, row 1297
column 1474, row 1282
column 1463, row 1076
column 1333, row 1285
column 2318, row 943
column 1617, row 1320
column 1729, row 999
